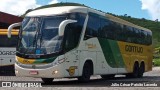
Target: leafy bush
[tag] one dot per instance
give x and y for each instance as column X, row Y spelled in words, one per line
column 156, row 62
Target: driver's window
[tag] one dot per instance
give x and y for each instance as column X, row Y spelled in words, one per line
column 71, row 39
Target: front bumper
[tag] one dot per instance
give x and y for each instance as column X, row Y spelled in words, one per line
column 56, row 71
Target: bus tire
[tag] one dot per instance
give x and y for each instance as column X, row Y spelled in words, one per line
column 108, row 76
column 135, row 70
column 47, row 80
column 87, row 72
column 141, row 70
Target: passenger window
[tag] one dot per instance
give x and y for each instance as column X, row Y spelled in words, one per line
column 104, row 32
column 93, row 26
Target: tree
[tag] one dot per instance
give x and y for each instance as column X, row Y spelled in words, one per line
column 125, row 15
column 156, row 20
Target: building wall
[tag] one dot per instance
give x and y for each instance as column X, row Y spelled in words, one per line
column 7, row 19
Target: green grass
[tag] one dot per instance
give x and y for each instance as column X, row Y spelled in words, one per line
column 156, row 62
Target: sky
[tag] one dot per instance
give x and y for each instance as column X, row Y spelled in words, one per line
column 149, row 9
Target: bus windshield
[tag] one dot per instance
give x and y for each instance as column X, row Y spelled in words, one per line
column 39, row 35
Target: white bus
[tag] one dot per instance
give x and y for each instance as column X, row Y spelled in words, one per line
column 7, row 52
column 77, row 42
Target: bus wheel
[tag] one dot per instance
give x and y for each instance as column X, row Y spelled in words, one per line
column 47, row 80
column 87, row 71
column 135, row 70
column 141, row 70
column 108, row 76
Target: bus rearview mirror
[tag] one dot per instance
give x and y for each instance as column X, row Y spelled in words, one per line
column 63, row 24
column 11, row 27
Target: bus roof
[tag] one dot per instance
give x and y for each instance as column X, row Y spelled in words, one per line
column 5, row 32
column 62, row 8
column 57, row 10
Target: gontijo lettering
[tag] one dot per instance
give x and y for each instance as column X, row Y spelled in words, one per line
column 131, row 48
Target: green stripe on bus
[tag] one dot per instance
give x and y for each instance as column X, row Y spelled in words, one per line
column 112, row 53
column 116, row 53
column 41, row 61
column 107, row 52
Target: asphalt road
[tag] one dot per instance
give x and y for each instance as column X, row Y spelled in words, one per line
column 150, row 80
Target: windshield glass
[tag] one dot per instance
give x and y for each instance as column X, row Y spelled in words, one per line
column 39, row 35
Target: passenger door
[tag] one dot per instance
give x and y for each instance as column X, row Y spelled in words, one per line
column 71, row 38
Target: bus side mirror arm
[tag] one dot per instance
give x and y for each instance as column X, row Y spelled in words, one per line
column 63, row 24
column 11, row 27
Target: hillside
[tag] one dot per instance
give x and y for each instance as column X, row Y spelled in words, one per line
column 152, row 25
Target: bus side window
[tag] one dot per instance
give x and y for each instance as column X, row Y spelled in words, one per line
column 104, row 32
column 149, row 38
column 129, row 31
column 93, row 26
column 110, row 29
column 143, row 37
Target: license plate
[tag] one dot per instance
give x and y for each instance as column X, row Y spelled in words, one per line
column 33, row 72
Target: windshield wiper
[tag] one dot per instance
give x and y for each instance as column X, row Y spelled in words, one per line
column 35, row 39
column 19, row 37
